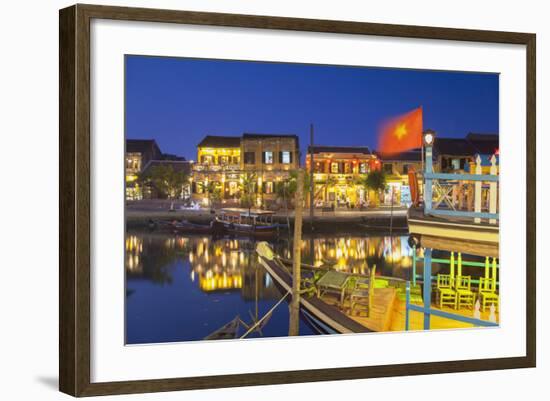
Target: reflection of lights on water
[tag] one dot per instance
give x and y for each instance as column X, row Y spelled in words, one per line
column 134, row 248
column 350, row 254
column 220, row 282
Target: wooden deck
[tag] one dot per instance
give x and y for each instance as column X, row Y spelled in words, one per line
column 381, row 313
column 416, row 319
column 388, row 314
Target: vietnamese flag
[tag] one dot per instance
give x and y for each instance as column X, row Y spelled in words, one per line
column 401, row 133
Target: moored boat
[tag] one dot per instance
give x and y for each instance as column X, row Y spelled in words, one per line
column 384, row 300
column 195, row 228
column 326, row 318
column 250, row 222
column 228, row 331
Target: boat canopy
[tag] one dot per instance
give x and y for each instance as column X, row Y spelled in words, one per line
column 246, row 213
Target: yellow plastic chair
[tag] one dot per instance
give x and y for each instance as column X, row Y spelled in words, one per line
column 446, row 294
column 464, row 294
column 487, row 293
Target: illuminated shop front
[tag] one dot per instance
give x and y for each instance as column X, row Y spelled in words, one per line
column 396, row 168
column 339, row 173
column 226, row 164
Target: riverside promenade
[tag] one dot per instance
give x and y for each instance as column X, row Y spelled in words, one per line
column 138, row 214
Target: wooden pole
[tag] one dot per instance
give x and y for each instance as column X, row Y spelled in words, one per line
column 294, row 324
column 311, row 178
column 452, row 270
column 493, row 193
column 494, row 274
column 477, row 193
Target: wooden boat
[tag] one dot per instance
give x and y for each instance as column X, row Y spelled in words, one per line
column 324, row 317
column 228, row 331
column 454, row 234
column 387, row 311
column 249, row 222
column 194, row 228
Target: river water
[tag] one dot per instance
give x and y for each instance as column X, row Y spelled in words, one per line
column 184, row 287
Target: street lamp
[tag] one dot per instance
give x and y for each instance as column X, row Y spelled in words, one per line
column 428, row 137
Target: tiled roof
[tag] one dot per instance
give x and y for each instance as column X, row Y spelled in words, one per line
column 141, row 145
column 177, row 165
column 340, row 149
column 169, row 156
column 473, row 143
column 252, row 135
column 212, row 141
column 453, row 147
column 414, row 155
column 485, row 144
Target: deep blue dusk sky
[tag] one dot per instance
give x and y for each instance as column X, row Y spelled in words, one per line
column 178, row 101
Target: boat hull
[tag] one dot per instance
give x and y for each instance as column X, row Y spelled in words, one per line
column 325, row 318
column 194, row 228
column 249, row 230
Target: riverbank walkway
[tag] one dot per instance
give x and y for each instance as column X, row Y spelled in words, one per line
column 137, row 215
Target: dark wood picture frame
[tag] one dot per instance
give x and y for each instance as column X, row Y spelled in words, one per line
column 74, row 204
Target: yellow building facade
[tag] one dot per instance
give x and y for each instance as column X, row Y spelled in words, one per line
column 396, row 168
column 218, row 168
column 224, row 163
column 339, row 173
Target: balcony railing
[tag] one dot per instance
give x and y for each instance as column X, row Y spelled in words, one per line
column 439, row 189
column 216, row 167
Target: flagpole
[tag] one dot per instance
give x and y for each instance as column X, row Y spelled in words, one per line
column 422, row 154
column 422, row 170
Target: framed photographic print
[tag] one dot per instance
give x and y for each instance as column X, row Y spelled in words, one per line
column 250, row 200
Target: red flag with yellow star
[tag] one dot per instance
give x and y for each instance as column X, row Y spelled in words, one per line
column 401, row 133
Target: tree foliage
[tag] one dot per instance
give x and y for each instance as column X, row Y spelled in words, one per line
column 166, row 180
column 286, row 188
column 375, row 180
column 248, row 189
column 212, row 190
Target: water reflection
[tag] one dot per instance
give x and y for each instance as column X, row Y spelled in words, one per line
column 184, row 287
column 353, row 254
column 223, row 264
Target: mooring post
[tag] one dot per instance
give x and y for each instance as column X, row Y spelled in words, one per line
column 294, row 324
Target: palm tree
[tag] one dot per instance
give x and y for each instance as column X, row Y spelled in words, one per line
column 209, row 189
column 286, row 189
column 247, row 186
